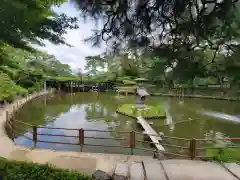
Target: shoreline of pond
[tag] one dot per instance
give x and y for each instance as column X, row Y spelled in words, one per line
column 60, row 159
column 197, row 96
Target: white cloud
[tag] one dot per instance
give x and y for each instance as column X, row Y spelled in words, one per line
column 74, row 56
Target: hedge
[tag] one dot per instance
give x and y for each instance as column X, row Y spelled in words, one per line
column 30, row 171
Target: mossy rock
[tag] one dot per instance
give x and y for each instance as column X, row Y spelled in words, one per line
column 147, row 111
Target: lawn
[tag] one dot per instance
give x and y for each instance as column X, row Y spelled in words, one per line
column 224, row 155
column 148, row 111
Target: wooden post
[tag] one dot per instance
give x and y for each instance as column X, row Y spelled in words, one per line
column 81, row 138
column 71, row 87
column 10, row 126
column 13, row 113
column 192, row 148
column 58, row 87
column 35, row 136
column 12, row 131
column 14, row 109
column 7, row 116
column 132, row 141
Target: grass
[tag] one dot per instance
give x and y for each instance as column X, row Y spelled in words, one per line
column 224, row 155
column 148, row 112
column 30, row 171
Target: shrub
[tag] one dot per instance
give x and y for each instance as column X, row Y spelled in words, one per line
column 30, row 171
column 8, row 89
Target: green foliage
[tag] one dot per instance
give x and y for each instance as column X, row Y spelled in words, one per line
column 64, row 78
column 24, row 22
column 194, row 40
column 225, row 154
column 111, row 67
column 23, row 71
column 182, row 86
column 205, row 81
column 179, row 22
column 29, row 171
column 31, row 21
column 148, row 111
column 8, row 89
column 128, row 82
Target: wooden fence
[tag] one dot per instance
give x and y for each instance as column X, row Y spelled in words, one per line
column 193, row 148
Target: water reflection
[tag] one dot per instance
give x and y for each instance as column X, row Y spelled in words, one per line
column 98, row 111
column 221, row 116
column 169, row 120
column 88, row 111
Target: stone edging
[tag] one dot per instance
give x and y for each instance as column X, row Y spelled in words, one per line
column 90, row 162
column 10, row 108
column 80, row 161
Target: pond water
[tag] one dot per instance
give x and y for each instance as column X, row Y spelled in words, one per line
column 92, row 111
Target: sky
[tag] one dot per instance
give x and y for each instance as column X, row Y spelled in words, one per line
column 74, row 56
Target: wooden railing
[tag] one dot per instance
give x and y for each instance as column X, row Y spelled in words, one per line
column 190, row 150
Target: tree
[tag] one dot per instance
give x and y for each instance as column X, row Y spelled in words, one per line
column 94, row 63
column 144, row 23
column 176, row 32
column 31, row 21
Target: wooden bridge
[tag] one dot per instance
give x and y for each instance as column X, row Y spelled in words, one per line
column 151, row 133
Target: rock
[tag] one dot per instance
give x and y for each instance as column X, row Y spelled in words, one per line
column 101, row 175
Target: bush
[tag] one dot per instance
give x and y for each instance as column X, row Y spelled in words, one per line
column 30, row 171
column 8, row 89
column 31, row 90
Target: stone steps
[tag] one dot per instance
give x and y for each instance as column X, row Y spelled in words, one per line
column 145, row 170
column 153, row 169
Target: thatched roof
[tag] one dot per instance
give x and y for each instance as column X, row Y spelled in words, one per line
column 142, row 92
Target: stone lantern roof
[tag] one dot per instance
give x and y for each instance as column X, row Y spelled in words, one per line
column 142, row 92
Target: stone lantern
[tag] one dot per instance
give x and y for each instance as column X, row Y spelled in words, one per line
column 141, row 94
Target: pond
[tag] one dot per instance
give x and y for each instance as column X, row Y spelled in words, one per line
column 97, row 111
